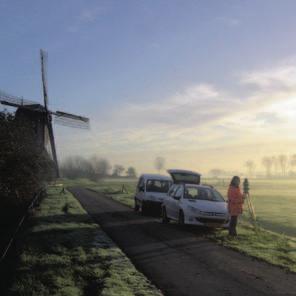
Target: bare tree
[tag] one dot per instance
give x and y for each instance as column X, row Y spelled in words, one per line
column 131, row 172
column 267, row 163
column 283, row 162
column 159, row 163
column 250, row 165
column 275, row 164
column 293, row 161
column 101, row 166
column 77, row 167
column 118, row 170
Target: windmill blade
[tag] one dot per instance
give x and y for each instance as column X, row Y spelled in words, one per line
column 52, row 145
column 72, row 120
column 43, row 59
column 14, row 101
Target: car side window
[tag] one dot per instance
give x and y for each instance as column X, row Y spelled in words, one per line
column 172, row 191
column 191, row 193
column 141, row 184
column 178, row 193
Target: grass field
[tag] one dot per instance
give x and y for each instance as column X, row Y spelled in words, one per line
column 274, row 202
column 66, row 253
column 273, row 241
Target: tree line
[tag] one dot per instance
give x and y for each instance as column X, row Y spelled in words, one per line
column 281, row 165
column 94, row 168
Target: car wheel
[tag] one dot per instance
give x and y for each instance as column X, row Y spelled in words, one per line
column 136, row 207
column 181, row 218
column 144, row 208
column 164, row 217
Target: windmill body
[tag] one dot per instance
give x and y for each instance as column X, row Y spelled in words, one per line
column 39, row 117
column 35, row 117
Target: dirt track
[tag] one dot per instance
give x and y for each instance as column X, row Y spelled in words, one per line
column 180, row 261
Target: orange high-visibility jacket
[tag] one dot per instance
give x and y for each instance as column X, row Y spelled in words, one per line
column 235, row 201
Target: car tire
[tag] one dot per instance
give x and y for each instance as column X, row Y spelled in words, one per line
column 181, row 219
column 136, row 207
column 144, row 208
column 164, row 217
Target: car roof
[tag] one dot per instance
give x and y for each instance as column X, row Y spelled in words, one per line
column 156, row 177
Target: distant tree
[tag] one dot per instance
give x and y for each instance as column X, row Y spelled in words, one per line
column 216, row 173
column 159, row 163
column 293, row 161
column 250, row 165
column 131, row 172
column 74, row 167
column 118, row 170
column 101, row 166
column 267, row 163
column 283, row 162
column 275, row 164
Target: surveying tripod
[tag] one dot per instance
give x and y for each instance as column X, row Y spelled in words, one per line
column 249, row 201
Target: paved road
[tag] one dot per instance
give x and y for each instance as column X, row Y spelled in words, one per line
column 179, row 260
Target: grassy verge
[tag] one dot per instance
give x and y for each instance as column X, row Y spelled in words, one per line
column 269, row 246
column 275, row 248
column 66, row 253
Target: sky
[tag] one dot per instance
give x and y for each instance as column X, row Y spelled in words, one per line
column 204, row 84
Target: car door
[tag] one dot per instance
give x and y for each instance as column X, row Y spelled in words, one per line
column 140, row 190
column 176, row 201
column 169, row 201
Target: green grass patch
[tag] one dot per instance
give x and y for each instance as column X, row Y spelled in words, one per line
column 66, row 253
column 257, row 242
column 272, row 246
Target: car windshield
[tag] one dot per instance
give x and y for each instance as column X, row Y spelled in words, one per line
column 161, row 186
column 203, row 194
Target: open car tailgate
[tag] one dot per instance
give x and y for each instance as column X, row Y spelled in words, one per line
column 185, row 177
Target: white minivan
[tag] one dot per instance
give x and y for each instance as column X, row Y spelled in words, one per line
column 189, row 202
column 151, row 191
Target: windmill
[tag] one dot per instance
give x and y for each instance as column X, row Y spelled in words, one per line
column 41, row 117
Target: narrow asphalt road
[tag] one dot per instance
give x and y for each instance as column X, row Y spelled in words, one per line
column 179, row 260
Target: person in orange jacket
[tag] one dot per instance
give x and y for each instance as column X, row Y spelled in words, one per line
column 235, row 204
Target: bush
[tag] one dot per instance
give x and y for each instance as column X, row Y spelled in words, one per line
column 24, row 165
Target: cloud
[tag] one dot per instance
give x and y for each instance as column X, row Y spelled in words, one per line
column 195, row 105
column 87, row 15
column 282, row 76
column 90, row 15
column 268, row 118
column 202, row 116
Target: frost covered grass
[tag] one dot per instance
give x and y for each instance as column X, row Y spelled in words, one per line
column 66, row 253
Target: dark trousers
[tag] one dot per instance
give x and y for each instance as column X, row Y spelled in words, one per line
column 232, row 225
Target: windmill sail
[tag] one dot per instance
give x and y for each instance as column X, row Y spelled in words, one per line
column 14, row 101
column 43, row 58
column 48, row 119
column 68, row 119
